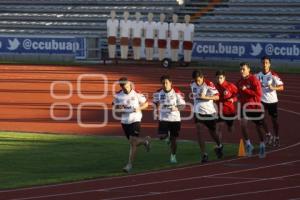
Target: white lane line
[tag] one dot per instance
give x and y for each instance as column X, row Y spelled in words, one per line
column 289, row 111
column 149, row 173
column 247, row 193
column 289, row 101
column 232, row 177
column 157, row 182
column 199, row 188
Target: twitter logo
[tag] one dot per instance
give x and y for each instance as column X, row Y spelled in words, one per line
column 13, row 44
column 256, row 49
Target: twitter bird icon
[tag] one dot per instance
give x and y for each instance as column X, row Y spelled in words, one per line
column 13, row 44
column 256, row 49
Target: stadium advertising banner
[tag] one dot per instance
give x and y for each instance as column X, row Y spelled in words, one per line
column 284, row 50
column 43, row 45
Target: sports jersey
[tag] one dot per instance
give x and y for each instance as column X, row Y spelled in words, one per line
column 125, row 27
column 187, row 32
column 175, row 29
column 149, row 29
column 167, row 100
column 112, row 27
column 130, row 101
column 227, row 91
column 137, row 27
column 270, row 78
column 252, row 93
column 162, row 29
column 201, row 106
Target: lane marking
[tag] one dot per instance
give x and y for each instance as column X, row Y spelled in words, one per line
column 149, row 173
column 246, row 193
column 166, row 181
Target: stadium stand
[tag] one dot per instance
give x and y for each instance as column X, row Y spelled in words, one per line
column 233, row 18
column 250, row 19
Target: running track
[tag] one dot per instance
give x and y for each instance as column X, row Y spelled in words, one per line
column 24, row 106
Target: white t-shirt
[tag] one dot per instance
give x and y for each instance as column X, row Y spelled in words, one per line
column 149, row 29
column 162, row 29
column 269, row 96
column 167, row 100
column 125, row 27
column 204, row 107
column 137, row 28
column 112, row 27
column 175, row 29
column 187, row 31
column 130, row 101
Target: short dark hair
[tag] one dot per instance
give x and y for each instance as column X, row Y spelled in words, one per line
column 165, row 77
column 266, row 58
column 220, row 73
column 197, row 73
column 123, row 81
column 245, row 63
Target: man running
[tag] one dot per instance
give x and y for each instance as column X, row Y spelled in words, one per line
column 250, row 92
column 130, row 103
column 204, row 94
column 169, row 102
column 226, row 104
column 270, row 83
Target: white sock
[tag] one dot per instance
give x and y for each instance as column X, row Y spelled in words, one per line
column 248, row 142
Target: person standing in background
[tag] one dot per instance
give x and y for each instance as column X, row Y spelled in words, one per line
column 112, row 30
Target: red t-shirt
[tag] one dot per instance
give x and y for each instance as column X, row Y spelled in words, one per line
column 252, row 93
column 227, row 91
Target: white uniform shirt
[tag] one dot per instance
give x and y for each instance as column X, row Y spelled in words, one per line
column 112, row 27
column 137, row 27
column 187, row 32
column 269, row 96
column 175, row 30
column 204, row 107
column 162, row 29
column 167, row 100
column 130, row 101
column 149, row 29
column 125, row 27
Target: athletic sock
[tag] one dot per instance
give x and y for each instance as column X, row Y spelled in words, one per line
column 248, row 142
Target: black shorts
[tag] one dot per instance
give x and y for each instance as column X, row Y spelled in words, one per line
column 229, row 121
column 209, row 121
column 164, row 127
column 133, row 129
column 256, row 117
column 271, row 108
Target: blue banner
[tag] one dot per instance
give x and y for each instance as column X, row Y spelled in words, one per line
column 246, row 49
column 43, row 45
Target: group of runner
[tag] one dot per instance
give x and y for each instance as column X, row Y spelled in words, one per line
column 250, row 99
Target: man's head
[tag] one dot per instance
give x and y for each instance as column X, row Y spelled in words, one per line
column 166, row 82
column 220, row 75
column 244, row 69
column 138, row 16
column 113, row 14
column 187, row 18
column 266, row 64
column 150, row 17
column 175, row 18
column 125, row 84
column 162, row 17
column 198, row 77
column 126, row 15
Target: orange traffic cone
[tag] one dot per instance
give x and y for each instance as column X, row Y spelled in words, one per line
column 241, row 152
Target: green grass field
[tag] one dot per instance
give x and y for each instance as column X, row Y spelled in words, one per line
column 39, row 159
